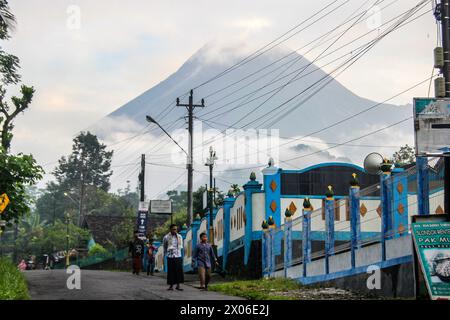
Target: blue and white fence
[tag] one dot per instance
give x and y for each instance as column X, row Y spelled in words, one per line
column 333, row 237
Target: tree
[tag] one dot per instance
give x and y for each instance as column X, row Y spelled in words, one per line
column 123, row 232
column 16, row 171
column 179, row 199
column 406, row 155
column 198, row 201
column 89, row 164
column 47, row 238
column 179, row 218
column 235, row 189
column 9, row 65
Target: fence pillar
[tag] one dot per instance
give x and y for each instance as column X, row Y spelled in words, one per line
column 399, row 203
column 287, row 241
column 306, row 231
column 355, row 221
column 386, row 201
column 195, row 225
column 423, row 186
column 329, row 227
column 250, row 187
column 227, row 204
column 272, row 249
column 265, row 254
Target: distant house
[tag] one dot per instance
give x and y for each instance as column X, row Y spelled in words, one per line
column 101, row 227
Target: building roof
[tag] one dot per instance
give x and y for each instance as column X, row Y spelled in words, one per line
column 101, row 227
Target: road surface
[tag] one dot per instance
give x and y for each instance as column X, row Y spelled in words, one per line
column 109, row 285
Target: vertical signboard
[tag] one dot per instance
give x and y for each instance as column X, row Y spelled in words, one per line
column 432, row 126
column 142, row 218
column 432, row 244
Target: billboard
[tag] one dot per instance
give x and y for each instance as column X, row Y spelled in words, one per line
column 432, row 126
column 432, row 245
column 161, row 207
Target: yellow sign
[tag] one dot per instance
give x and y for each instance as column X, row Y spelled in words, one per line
column 4, row 201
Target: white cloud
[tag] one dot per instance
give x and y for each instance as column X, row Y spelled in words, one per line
column 123, row 49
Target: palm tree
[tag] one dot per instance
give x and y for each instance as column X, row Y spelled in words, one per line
column 33, row 222
column 235, row 189
column 7, row 19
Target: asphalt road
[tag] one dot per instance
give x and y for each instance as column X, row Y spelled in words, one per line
column 108, row 285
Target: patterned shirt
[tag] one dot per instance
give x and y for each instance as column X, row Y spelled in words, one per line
column 173, row 245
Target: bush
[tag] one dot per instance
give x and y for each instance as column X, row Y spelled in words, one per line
column 13, row 285
column 97, row 249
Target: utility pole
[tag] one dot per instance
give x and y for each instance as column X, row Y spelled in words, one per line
column 142, row 179
column 445, row 23
column 190, row 168
column 210, row 163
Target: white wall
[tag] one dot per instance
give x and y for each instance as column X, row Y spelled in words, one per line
column 203, row 228
column 237, row 212
column 218, row 229
column 259, row 210
column 187, row 248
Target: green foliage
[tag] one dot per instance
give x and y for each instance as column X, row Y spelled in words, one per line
column 13, row 285
column 7, row 20
column 235, row 189
column 179, row 199
column 123, row 232
column 16, row 173
column 198, row 201
column 97, row 249
column 88, row 164
column 406, row 155
column 179, row 218
column 50, row 238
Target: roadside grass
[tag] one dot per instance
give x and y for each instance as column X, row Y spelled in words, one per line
column 262, row 289
column 13, row 285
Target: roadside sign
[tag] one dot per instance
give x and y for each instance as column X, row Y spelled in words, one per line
column 142, row 218
column 431, row 237
column 432, row 126
column 205, row 199
column 4, row 201
column 161, row 206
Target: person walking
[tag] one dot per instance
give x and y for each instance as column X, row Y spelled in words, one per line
column 173, row 244
column 137, row 250
column 151, row 249
column 203, row 256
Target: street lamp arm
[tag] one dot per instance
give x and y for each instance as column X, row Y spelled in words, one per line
column 151, row 120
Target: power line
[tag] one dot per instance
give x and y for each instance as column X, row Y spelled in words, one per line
column 259, row 52
column 355, row 58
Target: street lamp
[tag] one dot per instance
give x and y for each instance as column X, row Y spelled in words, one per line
column 151, row 120
column 67, row 240
column 210, row 163
column 188, row 166
column 80, row 207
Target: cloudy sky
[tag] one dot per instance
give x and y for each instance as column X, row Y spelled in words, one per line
column 87, row 58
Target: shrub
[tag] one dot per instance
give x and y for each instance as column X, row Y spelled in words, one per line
column 13, row 285
column 97, row 249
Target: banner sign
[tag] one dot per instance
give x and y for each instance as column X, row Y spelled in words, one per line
column 142, row 218
column 432, row 244
column 161, row 206
column 432, row 126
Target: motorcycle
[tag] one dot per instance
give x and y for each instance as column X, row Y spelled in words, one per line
column 30, row 264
